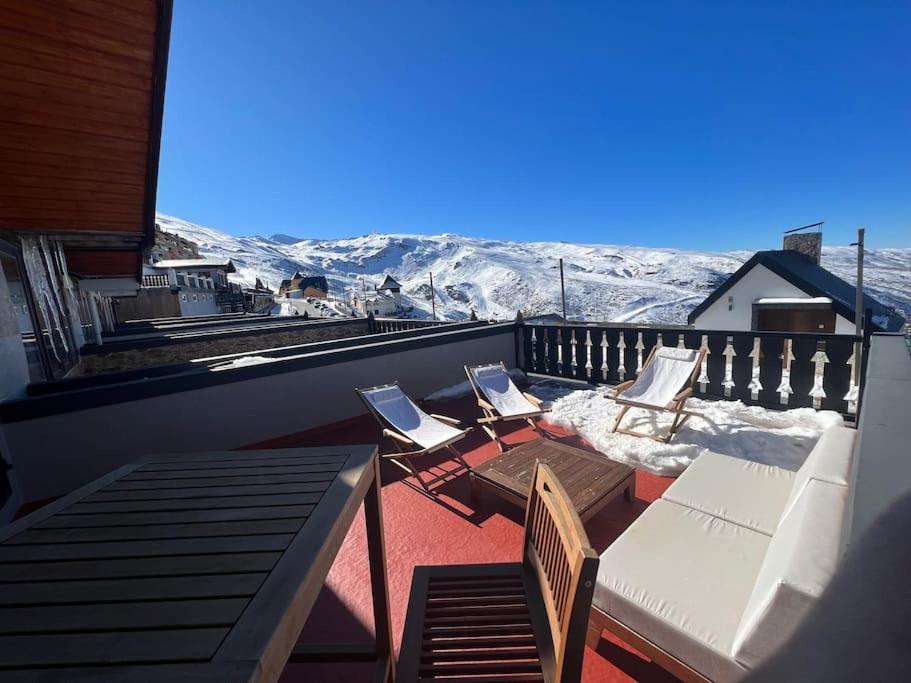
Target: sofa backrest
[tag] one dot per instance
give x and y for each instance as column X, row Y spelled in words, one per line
column 799, row 563
column 829, row 461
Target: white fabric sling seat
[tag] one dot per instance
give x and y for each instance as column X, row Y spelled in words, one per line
column 662, row 385
column 413, row 431
column 501, row 400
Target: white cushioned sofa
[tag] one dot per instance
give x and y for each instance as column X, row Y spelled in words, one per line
column 716, row 575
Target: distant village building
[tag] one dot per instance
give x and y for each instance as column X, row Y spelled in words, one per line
column 182, row 288
column 304, row 286
column 385, row 300
column 259, row 298
column 788, row 291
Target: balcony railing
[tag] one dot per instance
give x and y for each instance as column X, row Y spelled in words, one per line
column 158, row 280
column 772, row 369
column 382, row 325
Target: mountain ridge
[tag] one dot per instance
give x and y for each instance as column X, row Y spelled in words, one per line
column 496, row 278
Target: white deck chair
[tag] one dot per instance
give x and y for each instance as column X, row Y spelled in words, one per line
column 413, row 431
column 501, row 400
column 664, row 385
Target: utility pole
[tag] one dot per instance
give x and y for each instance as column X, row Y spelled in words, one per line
column 859, row 296
column 433, row 300
column 562, row 290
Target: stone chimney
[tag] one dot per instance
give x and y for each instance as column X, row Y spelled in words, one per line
column 807, row 243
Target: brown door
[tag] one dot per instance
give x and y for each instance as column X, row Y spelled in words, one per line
column 796, row 320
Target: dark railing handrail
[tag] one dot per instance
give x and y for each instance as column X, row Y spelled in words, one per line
column 732, row 369
column 671, row 329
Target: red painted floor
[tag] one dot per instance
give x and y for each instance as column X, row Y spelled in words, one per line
column 447, row 529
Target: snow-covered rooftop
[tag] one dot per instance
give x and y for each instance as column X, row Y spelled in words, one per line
column 196, row 263
column 794, row 300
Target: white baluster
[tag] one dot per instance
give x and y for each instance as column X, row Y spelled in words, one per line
column 640, row 352
column 728, row 354
column 604, row 348
column 755, row 384
column 854, row 389
column 784, row 389
column 574, row 364
column 621, row 370
column 588, row 354
column 703, row 370
column 534, row 347
column 559, row 352
column 817, row 392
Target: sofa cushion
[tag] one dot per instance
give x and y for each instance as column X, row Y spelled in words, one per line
column 681, row 579
column 830, row 460
column 738, row 491
column 800, row 561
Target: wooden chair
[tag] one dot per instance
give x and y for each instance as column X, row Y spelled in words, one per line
column 414, row 432
column 501, row 400
column 663, row 385
column 522, row 621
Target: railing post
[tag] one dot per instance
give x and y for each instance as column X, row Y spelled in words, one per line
column 865, row 353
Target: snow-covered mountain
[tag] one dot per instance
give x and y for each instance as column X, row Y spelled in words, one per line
column 496, row 278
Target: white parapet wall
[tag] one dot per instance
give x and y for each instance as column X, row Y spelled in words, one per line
column 57, row 452
column 883, row 462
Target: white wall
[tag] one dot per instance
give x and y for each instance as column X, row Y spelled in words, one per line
column 759, row 283
column 55, row 454
column 204, row 304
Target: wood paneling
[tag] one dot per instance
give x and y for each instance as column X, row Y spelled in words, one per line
column 103, row 263
column 81, row 84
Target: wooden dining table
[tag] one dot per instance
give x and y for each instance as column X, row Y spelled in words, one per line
column 194, row 567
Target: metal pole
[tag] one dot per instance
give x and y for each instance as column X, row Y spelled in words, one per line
column 562, row 290
column 433, row 300
column 859, row 298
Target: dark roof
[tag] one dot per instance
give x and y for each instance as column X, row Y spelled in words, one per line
column 297, row 276
column 389, row 283
column 315, row 281
column 805, row 274
column 285, row 283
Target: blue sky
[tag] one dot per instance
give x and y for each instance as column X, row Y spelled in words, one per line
column 676, row 124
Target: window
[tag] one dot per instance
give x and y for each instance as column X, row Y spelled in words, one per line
column 23, row 310
column 181, row 279
column 195, row 298
column 183, row 297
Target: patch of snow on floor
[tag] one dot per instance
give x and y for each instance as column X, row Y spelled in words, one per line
column 242, row 362
column 781, row 438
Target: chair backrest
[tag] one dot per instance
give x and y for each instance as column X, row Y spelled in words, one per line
column 665, row 374
column 493, row 384
column 561, row 568
column 390, row 404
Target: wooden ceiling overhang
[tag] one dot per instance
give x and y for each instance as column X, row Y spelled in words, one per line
column 81, row 104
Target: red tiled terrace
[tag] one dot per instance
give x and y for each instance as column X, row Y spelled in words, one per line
column 446, row 529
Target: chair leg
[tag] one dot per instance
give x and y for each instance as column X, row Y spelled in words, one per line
column 458, row 457
column 623, row 411
column 534, row 425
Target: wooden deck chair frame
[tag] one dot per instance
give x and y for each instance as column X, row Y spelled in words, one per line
column 525, row 619
column 677, row 405
column 491, row 417
column 408, row 449
column 600, row 621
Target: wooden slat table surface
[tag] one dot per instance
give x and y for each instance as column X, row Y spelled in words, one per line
column 185, row 567
column 590, row 479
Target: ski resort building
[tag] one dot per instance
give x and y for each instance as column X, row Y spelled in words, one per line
column 789, row 291
column 304, row 286
column 385, row 300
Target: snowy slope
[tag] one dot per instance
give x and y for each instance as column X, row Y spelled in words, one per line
column 497, row 278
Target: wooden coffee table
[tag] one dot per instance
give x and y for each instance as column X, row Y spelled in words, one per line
column 590, row 479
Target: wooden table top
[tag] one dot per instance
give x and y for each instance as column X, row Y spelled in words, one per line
column 186, row 568
column 587, row 477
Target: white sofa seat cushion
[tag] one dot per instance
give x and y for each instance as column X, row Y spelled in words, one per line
column 739, row 491
column 681, row 579
column 830, row 460
column 800, row 561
